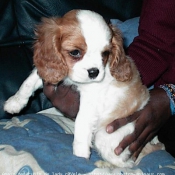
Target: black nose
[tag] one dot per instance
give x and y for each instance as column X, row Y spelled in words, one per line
column 93, row 72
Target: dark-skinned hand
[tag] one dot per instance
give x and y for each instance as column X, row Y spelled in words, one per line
column 148, row 122
column 64, row 98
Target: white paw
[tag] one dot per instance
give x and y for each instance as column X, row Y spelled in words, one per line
column 103, row 164
column 15, row 104
column 130, row 163
column 80, row 150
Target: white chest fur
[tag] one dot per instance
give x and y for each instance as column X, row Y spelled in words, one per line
column 101, row 103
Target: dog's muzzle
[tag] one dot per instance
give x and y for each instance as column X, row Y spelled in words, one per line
column 93, row 73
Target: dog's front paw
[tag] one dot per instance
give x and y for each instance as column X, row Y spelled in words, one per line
column 15, row 104
column 80, row 150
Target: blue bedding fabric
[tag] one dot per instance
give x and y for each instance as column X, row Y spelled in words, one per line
column 47, row 142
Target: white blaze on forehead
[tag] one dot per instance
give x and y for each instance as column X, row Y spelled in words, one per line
column 94, row 29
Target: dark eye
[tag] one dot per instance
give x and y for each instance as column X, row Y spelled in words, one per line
column 105, row 54
column 75, row 53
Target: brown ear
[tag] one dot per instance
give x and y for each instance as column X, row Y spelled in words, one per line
column 120, row 66
column 48, row 60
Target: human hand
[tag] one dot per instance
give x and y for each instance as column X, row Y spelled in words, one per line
column 148, row 121
column 65, row 98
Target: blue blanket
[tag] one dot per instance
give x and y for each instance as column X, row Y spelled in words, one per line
column 46, row 141
column 38, row 137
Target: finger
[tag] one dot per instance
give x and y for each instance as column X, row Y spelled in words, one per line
column 130, row 139
column 143, row 133
column 139, row 135
column 136, row 154
column 136, row 147
column 139, row 150
column 125, row 143
column 118, row 123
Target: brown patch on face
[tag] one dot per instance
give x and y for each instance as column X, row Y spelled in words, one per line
column 71, row 43
column 58, row 40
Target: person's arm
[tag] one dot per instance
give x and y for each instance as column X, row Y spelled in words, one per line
column 153, row 50
column 153, row 53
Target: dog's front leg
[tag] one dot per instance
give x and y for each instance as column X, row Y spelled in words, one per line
column 18, row 101
column 83, row 129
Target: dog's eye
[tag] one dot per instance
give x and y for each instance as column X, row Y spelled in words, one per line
column 75, row 53
column 105, row 54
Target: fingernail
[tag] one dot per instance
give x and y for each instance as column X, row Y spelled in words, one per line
column 134, row 159
column 110, row 129
column 118, row 151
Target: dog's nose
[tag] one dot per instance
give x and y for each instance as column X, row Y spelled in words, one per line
column 93, row 72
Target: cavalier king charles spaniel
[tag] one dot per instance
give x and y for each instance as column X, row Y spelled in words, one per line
column 81, row 49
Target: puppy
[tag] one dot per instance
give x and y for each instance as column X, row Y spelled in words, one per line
column 83, row 50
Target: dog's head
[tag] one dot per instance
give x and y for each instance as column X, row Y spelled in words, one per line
column 79, row 45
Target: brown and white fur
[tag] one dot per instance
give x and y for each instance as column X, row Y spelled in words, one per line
column 82, row 49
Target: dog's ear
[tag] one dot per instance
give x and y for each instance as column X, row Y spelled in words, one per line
column 48, row 59
column 120, row 66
